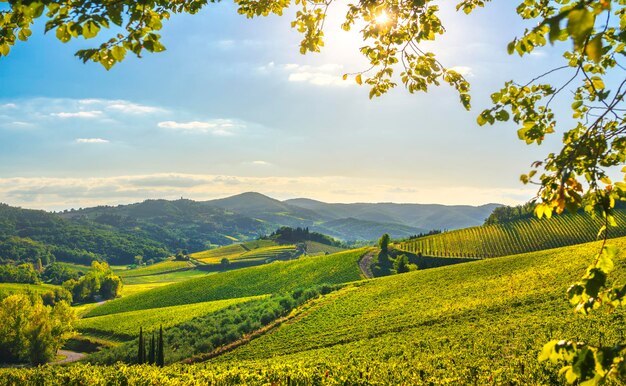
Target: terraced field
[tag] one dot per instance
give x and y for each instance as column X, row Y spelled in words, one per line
column 314, row 248
column 520, row 236
column 270, row 278
column 125, row 326
column 230, row 252
column 156, row 269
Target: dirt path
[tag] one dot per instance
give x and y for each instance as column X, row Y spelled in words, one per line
column 366, row 264
column 70, row 356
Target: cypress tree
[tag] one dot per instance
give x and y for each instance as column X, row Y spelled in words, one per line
column 160, row 357
column 141, row 352
column 151, row 353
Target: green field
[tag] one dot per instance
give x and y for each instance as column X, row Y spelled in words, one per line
column 313, row 248
column 10, row 288
column 519, row 236
column 479, row 324
column 270, row 278
column 125, row 326
column 230, row 252
column 156, row 269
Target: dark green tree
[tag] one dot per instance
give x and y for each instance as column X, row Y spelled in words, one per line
column 141, row 351
column 383, row 243
column 152, row 351
column 160, row 360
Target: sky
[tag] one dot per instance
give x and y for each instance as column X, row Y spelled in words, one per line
column 232, row 106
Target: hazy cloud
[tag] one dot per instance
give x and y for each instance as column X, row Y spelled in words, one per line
column 325, row 75
column 463, row 70
column 219, row 127
column 91, row 140
column 79, row 114
column 60, row 193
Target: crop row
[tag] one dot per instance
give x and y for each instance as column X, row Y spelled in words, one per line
column 270, row 278
column 520, row 236
column 125, row 326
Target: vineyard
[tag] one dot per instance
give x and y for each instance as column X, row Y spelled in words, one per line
column 156, row 269
column 230, row 252
column 270, row 278
column 481, row 323
column 520, row 236
column 125, row 326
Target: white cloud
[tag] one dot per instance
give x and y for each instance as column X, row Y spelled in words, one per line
column 120, row 105
column 79, row 114
column 463, row 70
column 329, row 74
column 8, row 106
column 261, row 163
column 132, row 108
column 324, row 75
column 91, row 140
column 219, row 127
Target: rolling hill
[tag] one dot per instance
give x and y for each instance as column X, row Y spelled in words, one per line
column 478, row 323
column 279, row 276
column 516, row 236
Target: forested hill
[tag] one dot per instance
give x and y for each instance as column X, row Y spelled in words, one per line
column 155, row 229
column 179, row 224
column 27, row 235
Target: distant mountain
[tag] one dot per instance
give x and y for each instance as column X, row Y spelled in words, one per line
column 425, row 216
column 267, row 209
column 360, row 230
column 179, row 224
column 157, row 228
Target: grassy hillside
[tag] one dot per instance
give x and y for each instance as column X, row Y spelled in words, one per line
column 271, row 278
column 479, row 323
column 314, row 248
column 156, row 269
column 519, row 236
column 125, row 326
column 260, row 251
column 10, row 288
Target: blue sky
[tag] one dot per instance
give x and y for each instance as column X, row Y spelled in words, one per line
column 232, row 106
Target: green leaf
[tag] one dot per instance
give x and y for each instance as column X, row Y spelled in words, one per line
column 594, row 48
column 62, row 34
column 579, row 25
column 4, row 49
column 24, row 34
column 118, row 53
column 90, row 30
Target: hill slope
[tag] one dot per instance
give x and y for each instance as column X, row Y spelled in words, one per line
column 478, row 323
column 473, row 324
column 271, row 278
column 516, row 236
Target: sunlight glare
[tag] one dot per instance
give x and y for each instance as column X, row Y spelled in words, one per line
column 382, row 19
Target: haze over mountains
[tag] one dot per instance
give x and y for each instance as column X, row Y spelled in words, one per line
column 249, row 214
column 156, row 229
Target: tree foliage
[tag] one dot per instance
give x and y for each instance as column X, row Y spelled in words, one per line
column 31, row 331
column 98, row 282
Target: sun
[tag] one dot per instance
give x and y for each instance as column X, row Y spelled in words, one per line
column 382, row 18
